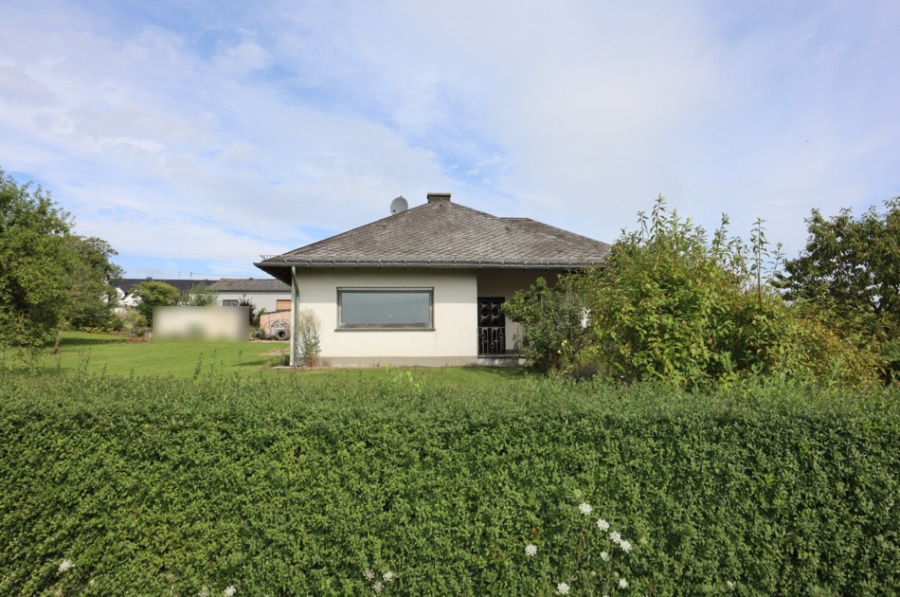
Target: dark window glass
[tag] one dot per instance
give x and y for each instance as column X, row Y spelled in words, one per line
column 385, row 308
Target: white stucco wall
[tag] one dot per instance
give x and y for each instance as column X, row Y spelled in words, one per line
column 453, row 341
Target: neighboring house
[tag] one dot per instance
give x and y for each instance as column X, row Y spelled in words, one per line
column 268, row 294
column 424, row 286
column 125, row 285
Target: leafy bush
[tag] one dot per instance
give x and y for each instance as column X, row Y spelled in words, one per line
column 673, row 304
column 305, row 484
column 153, row 293
column 308, row 341
column 552, row 319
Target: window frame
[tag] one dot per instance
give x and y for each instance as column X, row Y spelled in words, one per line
column 402, row 327
column 231, row 302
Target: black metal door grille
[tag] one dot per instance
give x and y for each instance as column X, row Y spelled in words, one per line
column 491, row 327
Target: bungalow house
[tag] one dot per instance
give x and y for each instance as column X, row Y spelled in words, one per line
column 268, row 294
column 424, row 286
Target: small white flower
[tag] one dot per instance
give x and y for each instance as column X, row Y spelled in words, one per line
column 585, row 509
column 388, row 576
column 377, row 586
column 229, row 591
column 204, row 591
column 531, row 549
column 729, row 584
column 625, row 545
column 615, row 537
column 623, row 584
column 369, row 574
column 65, row 565
column 563, row 588
column 604, row 555
column 602, row 525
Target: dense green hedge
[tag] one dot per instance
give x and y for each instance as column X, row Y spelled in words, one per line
column 278, row 486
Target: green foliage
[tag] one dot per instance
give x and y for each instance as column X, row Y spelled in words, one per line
column 50, row 278
column 673, row 304
column 154, row 294
column 33, row 265
column 308, row 341
column 552, row 320
column 91, row 274
column 200, row 295
column 277, row 486
column 851, row 266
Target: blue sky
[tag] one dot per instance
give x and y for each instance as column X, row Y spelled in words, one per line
column 196, row 136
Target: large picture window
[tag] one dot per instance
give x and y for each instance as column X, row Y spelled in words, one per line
column 388, row 308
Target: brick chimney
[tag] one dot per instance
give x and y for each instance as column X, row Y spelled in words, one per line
column 435, row 197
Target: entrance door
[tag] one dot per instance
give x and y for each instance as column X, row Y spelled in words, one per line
column 491, row 327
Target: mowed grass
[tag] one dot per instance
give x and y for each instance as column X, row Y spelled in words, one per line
column 118, row 355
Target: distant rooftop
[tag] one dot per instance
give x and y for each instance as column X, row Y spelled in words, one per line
column 223, row 285
column 250, row 285
column 125, row 284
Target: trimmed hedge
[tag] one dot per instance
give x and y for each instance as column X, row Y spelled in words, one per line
column 277, row 486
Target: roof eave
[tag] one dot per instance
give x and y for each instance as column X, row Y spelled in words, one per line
column 270, row 265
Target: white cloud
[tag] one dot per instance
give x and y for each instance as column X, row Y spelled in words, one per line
column 177, row 130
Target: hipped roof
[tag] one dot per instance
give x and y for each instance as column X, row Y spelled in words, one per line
column 443, row 234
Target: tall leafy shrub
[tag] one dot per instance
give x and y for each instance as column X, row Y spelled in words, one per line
column 552, row 319
column 674, row 304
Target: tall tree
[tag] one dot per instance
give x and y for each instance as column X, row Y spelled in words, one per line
column 852, row 266
column 91, row 276
column 34, row 293
column 49, row 277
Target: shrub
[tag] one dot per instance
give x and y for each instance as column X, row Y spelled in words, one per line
column 552, row 319
column 308, row 342
column 153, row 293
column 672, row 304
column 300, row 484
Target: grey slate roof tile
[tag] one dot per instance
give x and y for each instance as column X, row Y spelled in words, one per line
column 445, row 234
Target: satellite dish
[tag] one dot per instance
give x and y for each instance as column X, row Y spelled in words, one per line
column 399, row 204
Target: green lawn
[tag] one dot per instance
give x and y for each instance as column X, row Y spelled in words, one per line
column 114, row 354
column 119, row 355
